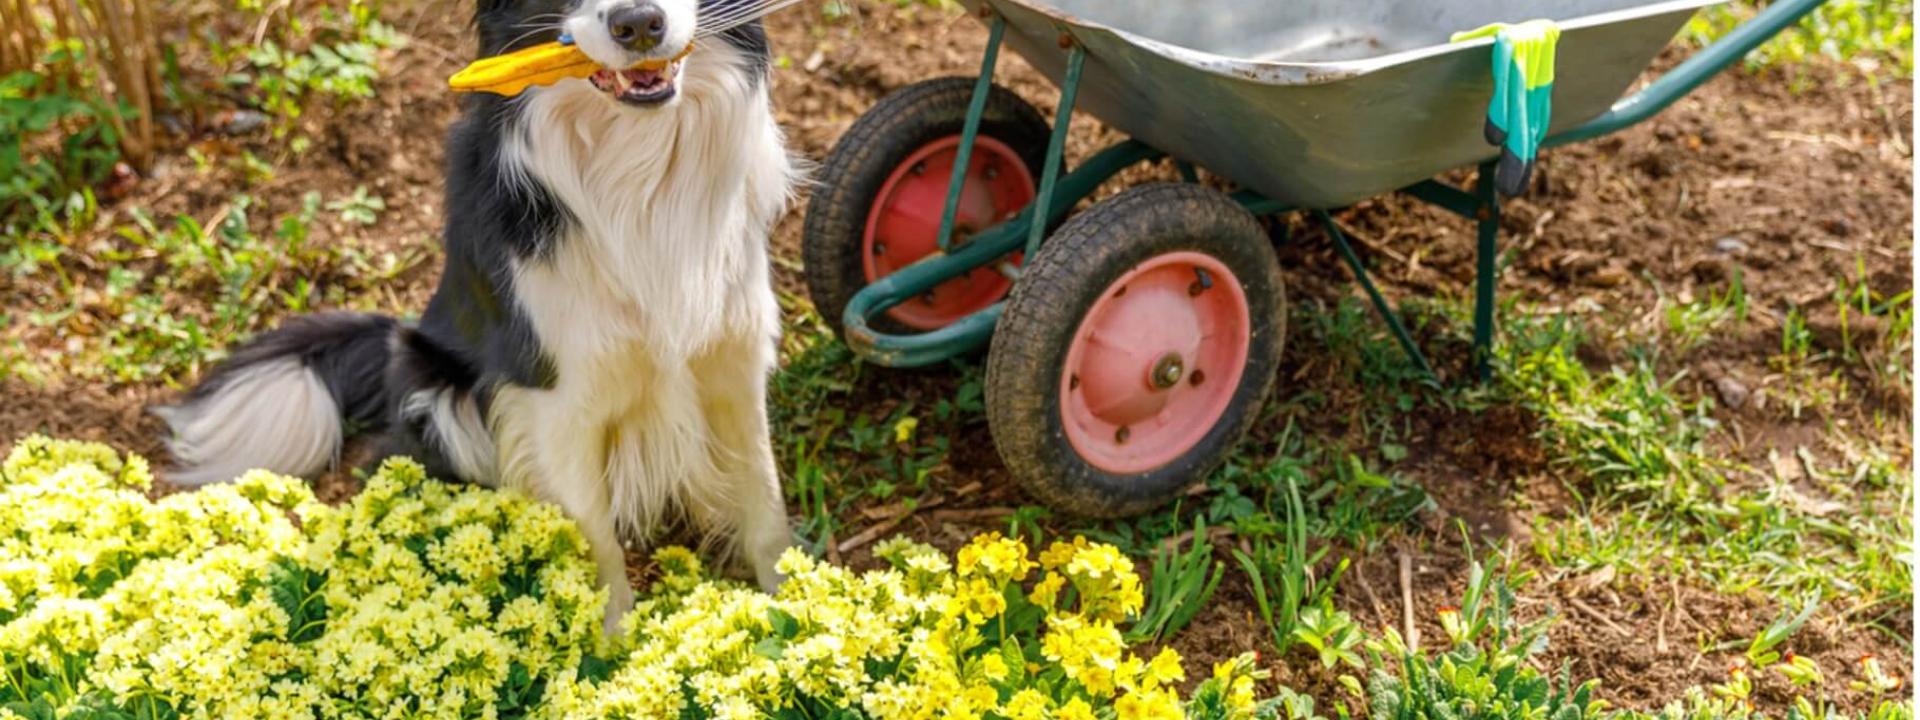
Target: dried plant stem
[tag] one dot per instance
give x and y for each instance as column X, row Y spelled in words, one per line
column 121, row 58
column 1411, row 630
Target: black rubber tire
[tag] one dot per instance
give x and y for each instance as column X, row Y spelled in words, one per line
column 1075, row 266
column 860, row 163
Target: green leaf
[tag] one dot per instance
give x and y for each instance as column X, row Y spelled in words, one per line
column 785, row 626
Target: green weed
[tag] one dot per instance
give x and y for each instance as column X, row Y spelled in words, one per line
column 1689, row 324
column 1626, row 429
column 1486, row 672
column 1332, row 634
column 1761, row 650
column 1280, row 571
column 360, row 208
column 1179, row 585
column 54, row 141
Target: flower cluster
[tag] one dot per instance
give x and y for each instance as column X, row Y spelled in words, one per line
column 927, row 637
column 421, row 599
column 251, row 599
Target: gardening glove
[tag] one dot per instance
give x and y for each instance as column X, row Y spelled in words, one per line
column 1522, row 95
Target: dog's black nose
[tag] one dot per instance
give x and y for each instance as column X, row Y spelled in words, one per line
column 639, row 27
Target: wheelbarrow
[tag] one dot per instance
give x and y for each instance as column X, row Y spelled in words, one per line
column 1133, row 343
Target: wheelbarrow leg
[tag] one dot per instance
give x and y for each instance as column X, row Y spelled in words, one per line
column 1380, row 304
column 1486, row 273
column 971, row 130
column 1056, row 147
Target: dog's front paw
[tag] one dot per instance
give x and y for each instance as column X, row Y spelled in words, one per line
column 619, row 603
column 770, row 577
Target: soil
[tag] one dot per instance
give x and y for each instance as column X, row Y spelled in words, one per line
column 1794, row 183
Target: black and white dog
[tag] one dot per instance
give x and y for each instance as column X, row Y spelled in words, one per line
column 604, row 329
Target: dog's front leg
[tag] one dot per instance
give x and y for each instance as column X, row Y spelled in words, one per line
column 548, row 453
column 745, row 496
column 585, row 500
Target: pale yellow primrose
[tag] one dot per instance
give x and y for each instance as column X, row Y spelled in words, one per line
column 420, row 599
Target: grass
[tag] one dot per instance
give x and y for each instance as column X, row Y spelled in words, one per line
column 1872, row 33
column 1660, row 494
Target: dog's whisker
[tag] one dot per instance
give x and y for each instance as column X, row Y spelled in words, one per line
column 754, row 11
column 716, row 29
column 707, row 21
column 531, row 33
column 745, row 9
column 739, row 15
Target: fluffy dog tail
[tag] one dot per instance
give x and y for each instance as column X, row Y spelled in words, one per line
column 285, row 401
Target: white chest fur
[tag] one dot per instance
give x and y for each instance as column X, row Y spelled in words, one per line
column 670, row 207
column 661, row 272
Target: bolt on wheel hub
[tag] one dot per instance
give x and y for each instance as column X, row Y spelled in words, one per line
column 1168, row 371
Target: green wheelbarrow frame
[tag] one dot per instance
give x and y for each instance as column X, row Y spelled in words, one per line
column 1058, row 193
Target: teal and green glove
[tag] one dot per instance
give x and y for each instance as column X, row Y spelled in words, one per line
column 1522, row 95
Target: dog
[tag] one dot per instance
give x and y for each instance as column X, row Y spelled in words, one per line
column 605, row 324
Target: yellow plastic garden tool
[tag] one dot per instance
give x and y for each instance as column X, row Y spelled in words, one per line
column 545, row 64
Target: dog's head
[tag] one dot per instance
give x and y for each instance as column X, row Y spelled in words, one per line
column 642, row 46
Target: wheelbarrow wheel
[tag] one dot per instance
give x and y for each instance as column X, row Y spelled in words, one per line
column 883, row 188
column 1138, row 347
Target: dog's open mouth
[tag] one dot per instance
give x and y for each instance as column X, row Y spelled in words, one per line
column 639, row 86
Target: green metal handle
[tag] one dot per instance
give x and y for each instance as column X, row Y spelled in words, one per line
column 1682, row 79
column 976, row 108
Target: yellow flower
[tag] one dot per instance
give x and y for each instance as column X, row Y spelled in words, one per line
column 997, row 559
column 1075, row 709
column 1060, row 553
column 1148, row 705
column 993, row 667
column 1028, row 704
column 1164, row 669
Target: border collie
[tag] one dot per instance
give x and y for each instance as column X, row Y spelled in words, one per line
column 605, row 324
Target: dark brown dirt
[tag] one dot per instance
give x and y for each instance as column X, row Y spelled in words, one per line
column 1790, row 188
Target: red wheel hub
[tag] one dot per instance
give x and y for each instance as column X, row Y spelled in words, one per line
column 1155, row 362
column 904, row 225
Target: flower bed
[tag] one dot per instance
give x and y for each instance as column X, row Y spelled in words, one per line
column 420, row 599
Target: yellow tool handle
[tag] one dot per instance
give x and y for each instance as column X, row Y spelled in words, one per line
column 544, row 64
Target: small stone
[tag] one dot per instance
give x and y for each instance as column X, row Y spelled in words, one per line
column 121, row 183
column 174, row 123
column 241, row 122
column 1732, row 392
column 1730, row 245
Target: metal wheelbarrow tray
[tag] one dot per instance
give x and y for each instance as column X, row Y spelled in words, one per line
column 1133, row 343
column 1323, row 103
